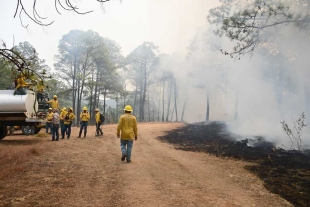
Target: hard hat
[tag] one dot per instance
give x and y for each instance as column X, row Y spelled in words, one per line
column 96, row 109
column 128, row 108
column 71, row 109
column 55, row 96
column 50, row 109
column 64, row 108
column 84, row 108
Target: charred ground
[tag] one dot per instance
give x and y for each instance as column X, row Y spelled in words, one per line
column 284, row 172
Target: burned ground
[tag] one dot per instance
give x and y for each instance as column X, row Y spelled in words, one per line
column 284, row 172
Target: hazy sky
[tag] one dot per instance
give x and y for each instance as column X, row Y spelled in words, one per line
column 170, row 24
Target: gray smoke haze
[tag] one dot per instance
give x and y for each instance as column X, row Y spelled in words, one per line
column 254, row 94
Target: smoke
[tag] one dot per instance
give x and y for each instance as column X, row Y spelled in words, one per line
column 254, row 94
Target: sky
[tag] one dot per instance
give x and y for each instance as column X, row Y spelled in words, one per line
column 170, row 24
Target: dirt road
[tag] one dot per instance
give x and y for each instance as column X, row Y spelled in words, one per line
column 88, row 172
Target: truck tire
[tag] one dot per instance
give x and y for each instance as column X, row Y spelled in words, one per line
column 3, row 131
column 37, row 130
column 28, row 130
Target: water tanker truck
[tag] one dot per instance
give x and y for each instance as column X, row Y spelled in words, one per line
column 21, row 110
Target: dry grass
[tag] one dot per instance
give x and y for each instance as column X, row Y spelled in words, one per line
column 42, row 135
column 34, row 151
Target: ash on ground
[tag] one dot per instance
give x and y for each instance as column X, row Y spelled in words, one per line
column 284, row 172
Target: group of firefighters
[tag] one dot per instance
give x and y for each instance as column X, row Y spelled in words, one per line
column 63, row 120
column 126, row 129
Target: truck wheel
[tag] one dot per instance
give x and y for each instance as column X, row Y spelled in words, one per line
column 11, row 130
column 37, row 130
column 3, row 131
column 28, row 130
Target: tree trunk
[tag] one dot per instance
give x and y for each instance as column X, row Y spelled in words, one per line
column 175, row 100
column 91, row 107
column 183, row 110
column 236, row 106
column 135, row 100
column 104, row 100
column 172, row 114
column 163, row 100
column 208, row 108
column 73, row 84
column 148, row 105
column 169, row 99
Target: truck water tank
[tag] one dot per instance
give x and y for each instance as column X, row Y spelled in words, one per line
column 18, row 103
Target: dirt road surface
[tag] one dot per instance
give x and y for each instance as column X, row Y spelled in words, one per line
column 88, row 172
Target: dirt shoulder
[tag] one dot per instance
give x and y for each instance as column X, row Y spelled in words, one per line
column 88, row 172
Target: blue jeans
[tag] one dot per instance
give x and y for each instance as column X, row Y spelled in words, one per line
column 49, row 125
column 126, row 151
column 62, row 126
column 83, row 125
column 66, row 128
column 55, row 132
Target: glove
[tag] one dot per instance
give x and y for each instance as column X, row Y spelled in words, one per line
column 136, row 137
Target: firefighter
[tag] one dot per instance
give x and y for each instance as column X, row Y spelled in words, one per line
column 62, row 115
column 54, row 102
column 127, row 130
column 40, row 90
column 49, row 123
column 84, row 116
column 67, row 123
column 21, row 86
column 55, row 121
column 98, row 123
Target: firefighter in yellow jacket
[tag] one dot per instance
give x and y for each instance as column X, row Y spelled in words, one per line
column 127, row 130
column 62, row 116
column 98, row 123
column 21, row 86
column 49, row 123
column 54, row 102
column 67, row 123
column 84, row 116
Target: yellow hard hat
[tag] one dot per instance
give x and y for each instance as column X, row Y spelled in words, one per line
column 84, row 108
column 50, row 109
column 55, row 96
column 71, row 109
column 64, row 108
column 128, row 108
column 96, row 109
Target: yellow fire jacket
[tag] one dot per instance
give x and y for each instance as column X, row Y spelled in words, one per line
column 84, row 116
column 127, row 126
column 69, row 118
column 21, row 82
column 49, row 116
column 54, row 104
column 62, row 115
column 97, row 117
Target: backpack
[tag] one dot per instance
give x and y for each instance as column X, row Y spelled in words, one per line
column 102, row 118
column 67, row 117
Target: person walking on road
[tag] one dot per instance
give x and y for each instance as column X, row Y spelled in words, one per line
column 55, row 136
column 67, row 123
column 127, row 130
column 98, row 123
column 84, row 116
column 49, row 123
